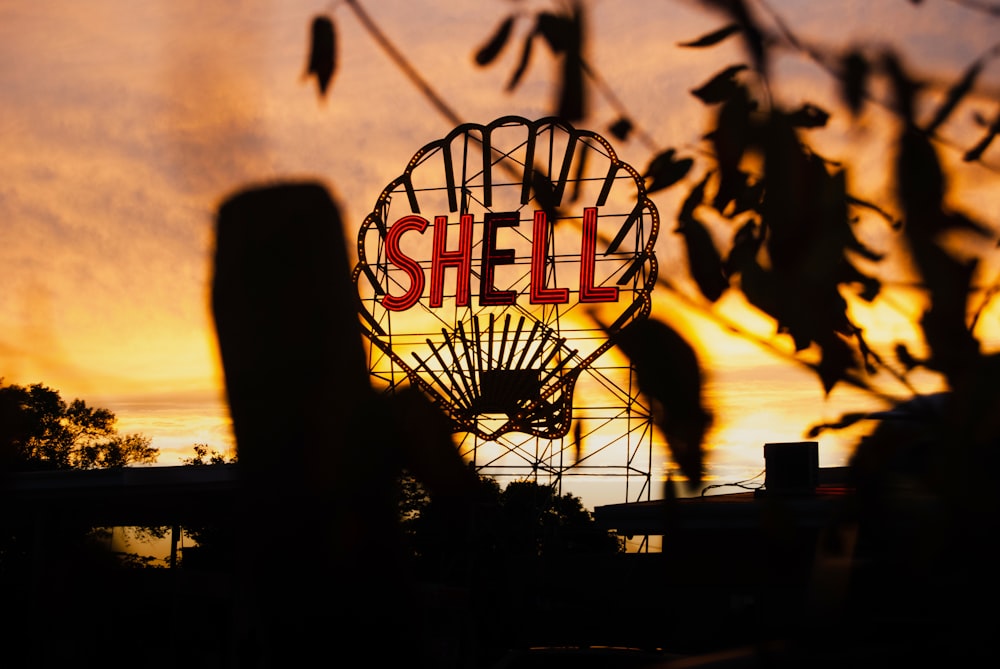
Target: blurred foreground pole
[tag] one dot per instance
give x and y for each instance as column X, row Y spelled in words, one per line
column 317, row 495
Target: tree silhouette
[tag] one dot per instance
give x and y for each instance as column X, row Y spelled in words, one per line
column 42, row 431
column 55, row 567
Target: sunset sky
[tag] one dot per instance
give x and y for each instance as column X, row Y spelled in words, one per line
column 124, row 125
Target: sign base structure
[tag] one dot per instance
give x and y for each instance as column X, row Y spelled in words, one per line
column 494, row 274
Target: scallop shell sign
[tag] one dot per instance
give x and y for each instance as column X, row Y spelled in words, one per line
column 494, row 270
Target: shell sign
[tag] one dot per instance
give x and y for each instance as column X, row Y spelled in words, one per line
column 480, row 265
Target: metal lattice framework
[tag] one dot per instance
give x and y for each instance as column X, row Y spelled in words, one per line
column 503, row 309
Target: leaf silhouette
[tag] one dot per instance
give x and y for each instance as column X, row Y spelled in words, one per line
column 955, row 95
column 944, row 324
column 571, row 97
column 920, row 189
column 666, row 170
column 804, row 213
column 837, row 357
column 906, row 359
column 522, row 64
column 736, row 189
column 669, row 376
column 870, row 286
column 760, row 286
column 919, row 183
column 743, row 253
column 489, row 51
column 571, row 89
column 713, row 37
column 565, row 36
column 752, row 35
column 809, row 116
column 621, row 128
column 558, row 31
column 730, row 140
column 904, row 88
column 323, row 52
column 704, row 260
column 854, row 81
column 721, row 87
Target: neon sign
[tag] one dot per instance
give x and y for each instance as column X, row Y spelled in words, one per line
column 461, row 260
column 477, row 265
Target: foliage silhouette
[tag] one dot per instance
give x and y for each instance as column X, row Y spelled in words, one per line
column 524, row 520
column 924, row 505
column 42, row 431
column 322, row 53
column 54, row 567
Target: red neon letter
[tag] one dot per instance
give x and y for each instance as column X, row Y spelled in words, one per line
column 539, row 253
column 460, row 259
column 588, row 249
column 404, row 262
column 492, row 256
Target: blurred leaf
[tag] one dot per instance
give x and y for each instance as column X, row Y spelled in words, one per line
column 566, row 37
column 870, row 286
column 558, row 31
column 721, row 87
column 739, row 191
column 904, row 88
column 666, row 170
column 906, row 358
column 919, row 183
column 571, row 91
column 869, row 356
column 704, row 260
column 669, row 376
column 837, row 357
column 957, row 221
column 732, row 184
column 621, row 128
column 805, row 215
column 955, row 95
column 522, row 64
column 760, row 286
column 809, row 116
column 854, row 81
column 714, row 37
column 952, row 345
column 752, row 35
column 730, row 140
column 323, row 52
column 744, row 250
column 489, row 51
